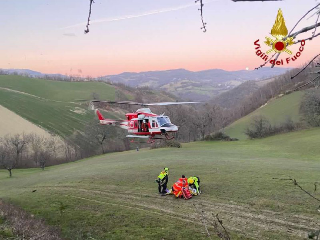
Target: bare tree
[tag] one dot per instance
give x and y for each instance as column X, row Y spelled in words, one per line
column 36, row 143
column 42, row 149
column 7, row 158
column 95, row 96
column 70, row 149
column 18, row 143
column 45, row 156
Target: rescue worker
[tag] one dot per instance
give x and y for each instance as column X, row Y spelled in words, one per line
column 177, row 187
column 163, row 181
column 194, row 182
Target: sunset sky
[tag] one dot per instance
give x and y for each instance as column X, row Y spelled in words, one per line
column 142, row 35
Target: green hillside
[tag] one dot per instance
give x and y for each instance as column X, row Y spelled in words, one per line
column 50, row 104
column 115, row 197
column 276, row 111
column 58, row 90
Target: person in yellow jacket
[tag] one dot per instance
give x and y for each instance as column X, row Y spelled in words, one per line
column 194, row 182
column 163, row 181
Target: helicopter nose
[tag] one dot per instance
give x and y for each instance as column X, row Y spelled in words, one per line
column 172, row 128
column 175, row 128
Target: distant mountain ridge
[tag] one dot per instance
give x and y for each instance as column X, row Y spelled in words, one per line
column 213, row 75
column 189, row 85
column 201, row 85
column 31, row 73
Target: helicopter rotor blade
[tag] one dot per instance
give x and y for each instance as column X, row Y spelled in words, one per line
column 144, row 104
column 169, row 103
column 121, row 102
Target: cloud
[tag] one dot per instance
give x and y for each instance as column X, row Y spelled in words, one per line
column 105, row 20
column 69, row 34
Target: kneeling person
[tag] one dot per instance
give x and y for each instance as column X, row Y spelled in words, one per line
column 194, row 182
column 179, row 185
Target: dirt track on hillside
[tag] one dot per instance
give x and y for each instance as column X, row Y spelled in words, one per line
column 243, row 219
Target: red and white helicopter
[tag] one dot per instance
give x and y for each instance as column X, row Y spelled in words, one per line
column 143, row 123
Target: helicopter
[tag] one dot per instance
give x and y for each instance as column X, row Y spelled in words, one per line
column 143, row 123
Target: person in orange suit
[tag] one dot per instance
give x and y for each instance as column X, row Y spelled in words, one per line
column 177, row 187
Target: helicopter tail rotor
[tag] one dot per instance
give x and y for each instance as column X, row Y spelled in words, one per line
column 99, row 115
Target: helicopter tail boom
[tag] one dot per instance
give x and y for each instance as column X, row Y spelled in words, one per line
column 105, row 121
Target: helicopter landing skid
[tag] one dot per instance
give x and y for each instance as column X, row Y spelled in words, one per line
column 152, row 139
column 168, row 137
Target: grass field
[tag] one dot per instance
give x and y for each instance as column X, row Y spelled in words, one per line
column 276, row 111
column 49, row 104
column 58, row 90
column 53, row 116
column 115, row 197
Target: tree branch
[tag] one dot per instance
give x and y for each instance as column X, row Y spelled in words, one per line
column 294, row 181
column 262, row 65
column 274, row 62
column 303, row 30
column 201, row 13
column 305, row 66
column 310, row 38
column 303, row 18
column 315, row 30
column 224, row 235
column 307, row 83
column 88, row 22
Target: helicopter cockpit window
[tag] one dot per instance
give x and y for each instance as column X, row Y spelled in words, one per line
column 168, row 120
column 163, row 120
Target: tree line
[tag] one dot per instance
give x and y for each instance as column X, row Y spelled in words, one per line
column 32, row 150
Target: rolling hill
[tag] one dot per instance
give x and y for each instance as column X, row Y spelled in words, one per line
column 276, row 111
column 232, row 97
column 50, row 104
column 58, row 90
column 201, row 85
column 114, row 196
column 53, row 105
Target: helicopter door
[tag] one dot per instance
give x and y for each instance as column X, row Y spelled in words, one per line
column 139, row 125
column 143, row 125
column 146, row 125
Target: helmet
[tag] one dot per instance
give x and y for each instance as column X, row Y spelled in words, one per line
column 166, row 169
column 190, row 181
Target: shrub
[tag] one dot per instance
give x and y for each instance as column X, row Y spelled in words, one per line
column 165, row 143
column 219, row 136
column 260, row 127
column 310, row 108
